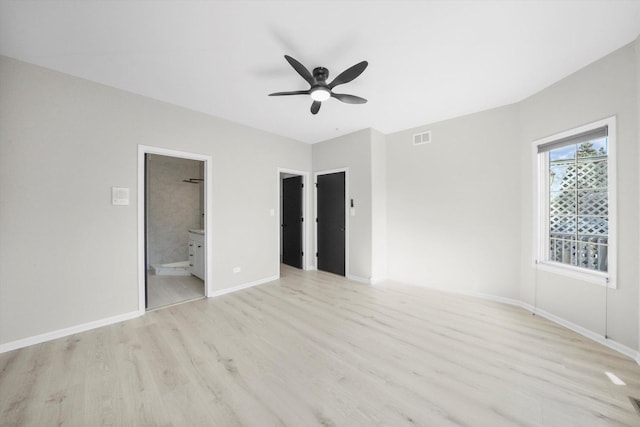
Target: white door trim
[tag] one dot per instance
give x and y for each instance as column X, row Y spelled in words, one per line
column 208, row 227
column 306, row 225
column 346, row 216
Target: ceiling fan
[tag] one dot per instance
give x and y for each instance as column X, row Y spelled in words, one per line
column 320, row 90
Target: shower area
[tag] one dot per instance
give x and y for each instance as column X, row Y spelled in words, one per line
column 174, row 228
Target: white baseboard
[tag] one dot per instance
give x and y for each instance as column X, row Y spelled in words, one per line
column 491, row 297
column 48, row 336
column 607, row 342
column 359, row 279
column 243, row 286
column 60, row 333
column 369, row 281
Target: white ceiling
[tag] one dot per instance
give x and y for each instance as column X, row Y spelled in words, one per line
column 428, row 60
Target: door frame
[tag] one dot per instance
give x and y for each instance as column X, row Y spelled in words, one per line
column 347, row 210
column 208, row 223
column 306, row 259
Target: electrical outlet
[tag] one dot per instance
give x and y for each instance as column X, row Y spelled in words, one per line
column 237, row 269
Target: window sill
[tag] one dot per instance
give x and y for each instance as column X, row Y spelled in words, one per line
column 596, row 277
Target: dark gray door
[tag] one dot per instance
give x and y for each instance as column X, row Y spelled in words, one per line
column 292, row 221
column 331, row 222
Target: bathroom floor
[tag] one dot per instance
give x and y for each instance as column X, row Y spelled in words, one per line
column 166, row 290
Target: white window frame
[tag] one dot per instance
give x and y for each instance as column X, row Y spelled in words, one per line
column 541, row 209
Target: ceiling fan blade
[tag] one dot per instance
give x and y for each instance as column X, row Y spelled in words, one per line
column 349, row 99
column 301, row 69
column 294, row 92
column 349, row 74
column 315, row 107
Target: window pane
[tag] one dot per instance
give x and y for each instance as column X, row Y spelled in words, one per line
column 578, row 201
column 562, row 175
column 563, row 153
column 569, row 253
column 555, row 249
column 590, row 226
column 592, row 173
column 562, row 226
column 563, row 250
column 592, row 253
column 593, row 203
column 595, row 148
column 562, row 203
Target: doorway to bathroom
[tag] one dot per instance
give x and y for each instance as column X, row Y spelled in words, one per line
column 174, row 224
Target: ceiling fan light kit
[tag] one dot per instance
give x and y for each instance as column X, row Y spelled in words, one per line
column 319, row 89
column 320, row 94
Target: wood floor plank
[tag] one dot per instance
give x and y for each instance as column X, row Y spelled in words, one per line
column 317, row 349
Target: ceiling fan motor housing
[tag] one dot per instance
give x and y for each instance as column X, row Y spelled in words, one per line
column 321, row 74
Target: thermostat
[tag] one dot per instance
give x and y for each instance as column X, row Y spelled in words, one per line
column 119, row 196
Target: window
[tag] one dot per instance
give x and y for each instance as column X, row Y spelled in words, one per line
column 575, row 207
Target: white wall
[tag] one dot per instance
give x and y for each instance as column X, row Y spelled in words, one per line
column 378, row 206
column 67, row 256
column 637, row 53
column 605, row 88
column 352, row 151
column 460, row 209
column 363, row 153
column 454, row 204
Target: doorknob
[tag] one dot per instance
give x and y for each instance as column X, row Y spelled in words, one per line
column 341, row 228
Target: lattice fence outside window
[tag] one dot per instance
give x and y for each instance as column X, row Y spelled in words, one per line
column 579, row 205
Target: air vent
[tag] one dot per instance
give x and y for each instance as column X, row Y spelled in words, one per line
column 422, row 138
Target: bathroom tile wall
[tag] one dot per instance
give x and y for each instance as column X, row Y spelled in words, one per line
column 173, row 207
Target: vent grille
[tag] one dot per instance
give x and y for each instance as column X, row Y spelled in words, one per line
column 422, row 138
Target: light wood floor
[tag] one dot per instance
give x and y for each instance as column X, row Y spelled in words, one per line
column 166, row 290
column 316, row 349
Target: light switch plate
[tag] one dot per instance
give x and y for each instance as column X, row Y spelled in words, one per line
column 119, row 196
